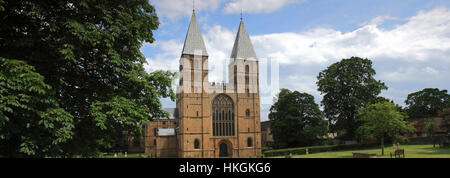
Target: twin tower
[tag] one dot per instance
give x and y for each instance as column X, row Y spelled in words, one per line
column 218, row 119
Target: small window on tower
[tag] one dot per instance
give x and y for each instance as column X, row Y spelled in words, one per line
column 196, row 144
column 249, row 142
column 247, row 112
column 247, row 69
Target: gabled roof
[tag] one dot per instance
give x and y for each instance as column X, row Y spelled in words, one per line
column 193, row 44
column 243, row 48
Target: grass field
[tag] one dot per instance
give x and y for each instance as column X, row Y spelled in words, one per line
column 132, row 155
column 411, row 151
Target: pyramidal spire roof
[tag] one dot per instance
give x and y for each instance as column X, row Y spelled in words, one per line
column 193, row 44
column 243, row 48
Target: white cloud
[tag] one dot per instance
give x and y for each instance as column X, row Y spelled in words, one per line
column 167, row 59
column 176, row 8
column 423, row 36
column 410, row 74
column 257, row 6
column 408, row 57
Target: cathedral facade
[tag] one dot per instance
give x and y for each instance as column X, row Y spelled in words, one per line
column 211, row 119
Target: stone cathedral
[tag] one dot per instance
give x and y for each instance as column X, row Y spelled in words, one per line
column 210, row 119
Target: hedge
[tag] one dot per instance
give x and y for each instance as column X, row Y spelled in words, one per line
column 315, row 149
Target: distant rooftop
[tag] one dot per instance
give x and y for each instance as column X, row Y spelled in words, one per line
column 173, row 113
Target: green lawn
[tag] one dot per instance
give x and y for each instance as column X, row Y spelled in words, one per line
column 130, row 155
column 411, row 151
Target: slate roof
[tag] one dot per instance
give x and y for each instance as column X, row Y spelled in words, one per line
column 173, row 113
column 194, row 44
column 243, row 48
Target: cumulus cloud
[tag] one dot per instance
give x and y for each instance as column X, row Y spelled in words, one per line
column 419, row 39
column 408, row 57
column 168, row 57
column 257, row 6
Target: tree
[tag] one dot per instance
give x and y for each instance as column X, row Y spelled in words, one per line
column 430, row 129
column 31, row 122
column 296, row 120
column 347, row 86
column 88, row 53
column 427, row 103
column 445, row 114
column 381, row 120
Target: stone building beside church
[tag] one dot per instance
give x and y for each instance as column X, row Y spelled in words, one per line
column 210, row 119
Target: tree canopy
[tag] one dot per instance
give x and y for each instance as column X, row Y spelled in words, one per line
column 381, row 120
column 296, row 119
column 88, row 56
column 428, row 102
column 31, row 121
column 347, row 85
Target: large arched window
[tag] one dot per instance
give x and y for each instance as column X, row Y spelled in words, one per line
column 222, row 116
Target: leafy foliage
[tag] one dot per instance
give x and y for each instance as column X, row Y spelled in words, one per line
column 427, row 103
column 347, row 86
column 31, row 121
column 89, row 53
column 1, row 5
column 446, row 119
column 296, row 120
column 382, row 120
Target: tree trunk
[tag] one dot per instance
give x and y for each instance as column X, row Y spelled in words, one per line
column 382, row 145
column 434, row 143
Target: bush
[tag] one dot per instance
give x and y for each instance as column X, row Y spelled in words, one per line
column 314, row 149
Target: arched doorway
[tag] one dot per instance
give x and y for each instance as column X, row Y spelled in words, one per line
column 225, row 149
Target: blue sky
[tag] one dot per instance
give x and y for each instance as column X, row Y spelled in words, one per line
column 407, row 40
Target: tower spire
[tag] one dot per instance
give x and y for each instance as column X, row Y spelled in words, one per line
column 241, row 14
column 243, row 48
column 194, row 44
column 193, row 6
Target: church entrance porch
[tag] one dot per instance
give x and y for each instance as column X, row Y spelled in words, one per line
column 225, row 148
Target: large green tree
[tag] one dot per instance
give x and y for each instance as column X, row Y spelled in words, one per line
column 296, row 119
column 347, row 85
column 427, row 103
column 31, row 121
column 88, row 52
column 381, row 120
